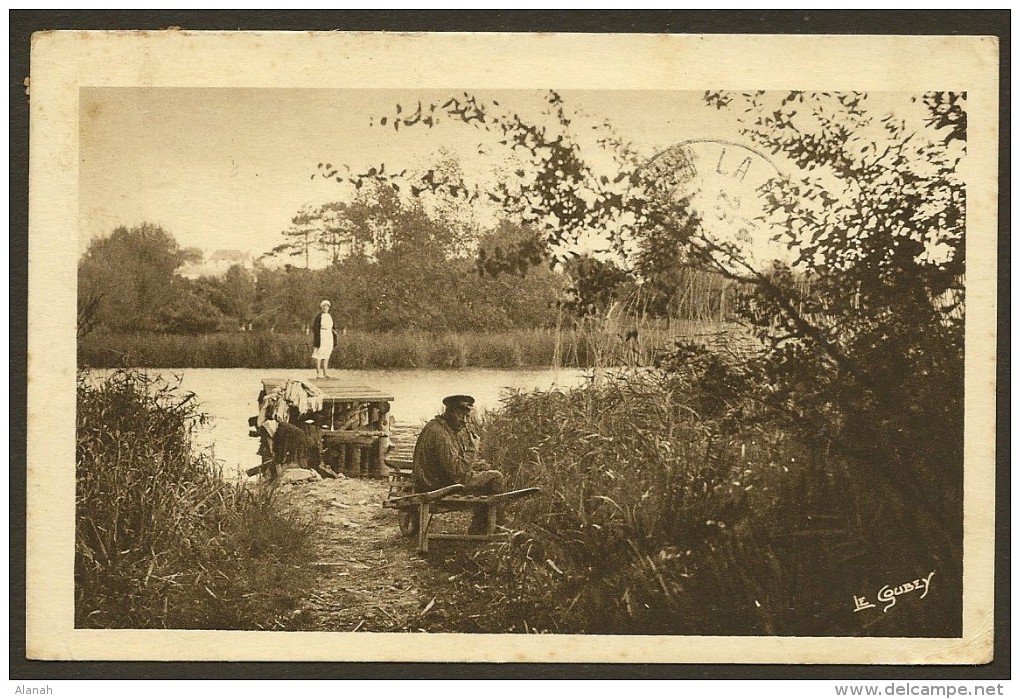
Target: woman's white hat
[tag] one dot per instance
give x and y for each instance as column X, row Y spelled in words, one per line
column 324, row 304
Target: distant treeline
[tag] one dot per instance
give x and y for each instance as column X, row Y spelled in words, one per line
column 419, row 278
column 128, row 283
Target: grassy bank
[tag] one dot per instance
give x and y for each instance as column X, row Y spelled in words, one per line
column 655, row 519
column 582, row 347
column 355, row 350
column 161, row 540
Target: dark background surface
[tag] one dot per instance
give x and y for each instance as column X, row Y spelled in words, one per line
column 24, row 23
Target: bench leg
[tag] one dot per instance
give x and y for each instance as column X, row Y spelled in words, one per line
column 423, row 527
column 409, row 522
column 490, row 519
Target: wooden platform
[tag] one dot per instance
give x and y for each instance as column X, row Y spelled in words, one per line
column 351, row 435
column 336, row 390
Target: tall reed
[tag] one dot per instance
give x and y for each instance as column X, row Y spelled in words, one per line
column 408, row 349
column 657, row 517
column 161, row 539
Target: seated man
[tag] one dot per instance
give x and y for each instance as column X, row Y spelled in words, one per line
column 288, row 446
column 445, row 454
column 313, row 438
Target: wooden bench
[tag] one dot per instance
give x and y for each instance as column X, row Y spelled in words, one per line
column 416, row 509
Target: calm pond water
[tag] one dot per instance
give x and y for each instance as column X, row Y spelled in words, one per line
column 229, row 396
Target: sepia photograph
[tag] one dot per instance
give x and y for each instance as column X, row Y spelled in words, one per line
column 379, row 352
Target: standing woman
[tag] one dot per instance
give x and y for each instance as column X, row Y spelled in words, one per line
column 323, row 340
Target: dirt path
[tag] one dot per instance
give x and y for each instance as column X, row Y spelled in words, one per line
column 367, row 576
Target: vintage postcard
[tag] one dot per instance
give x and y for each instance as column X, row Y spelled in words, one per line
column 512, row 347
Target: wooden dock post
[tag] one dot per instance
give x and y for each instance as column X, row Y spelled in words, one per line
column 355, row 452
column 381, row 469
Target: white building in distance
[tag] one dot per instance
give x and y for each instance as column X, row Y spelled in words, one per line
column 216, row 264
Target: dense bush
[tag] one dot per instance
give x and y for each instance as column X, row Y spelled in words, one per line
column 161, row 540
column 661, row 514
column 859, row 365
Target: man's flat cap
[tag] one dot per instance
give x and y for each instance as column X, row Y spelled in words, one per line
column 462, row 402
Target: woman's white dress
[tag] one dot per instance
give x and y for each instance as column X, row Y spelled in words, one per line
column 325, row 347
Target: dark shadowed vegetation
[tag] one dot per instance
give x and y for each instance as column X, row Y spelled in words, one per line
column 755, row 491
column 661, row 513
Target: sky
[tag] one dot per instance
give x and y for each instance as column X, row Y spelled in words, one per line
column 228, row 168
